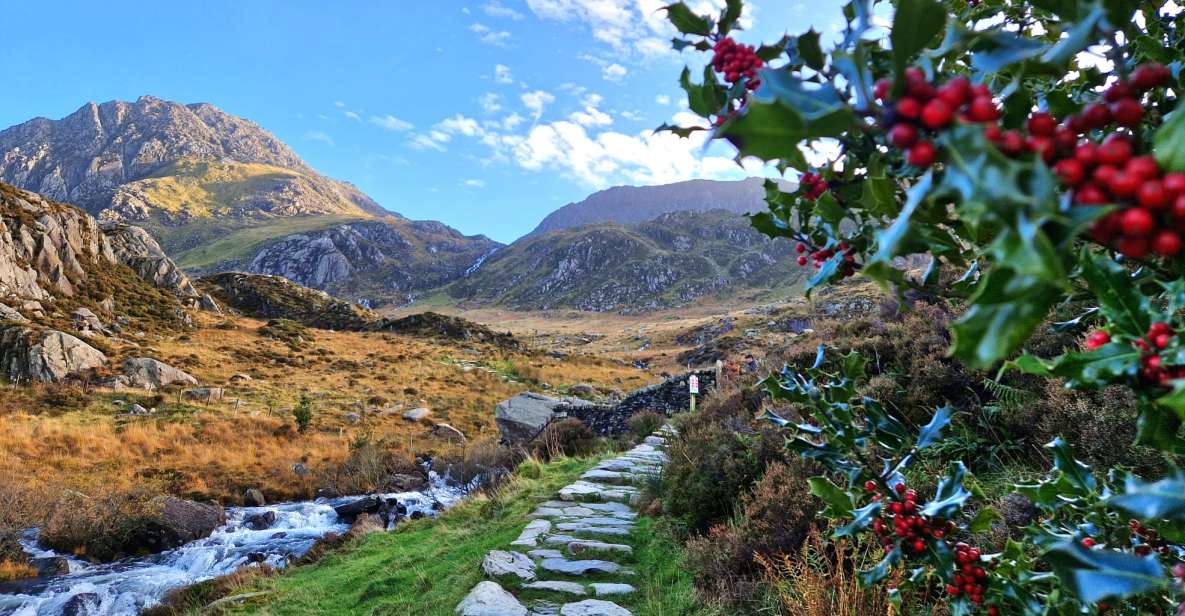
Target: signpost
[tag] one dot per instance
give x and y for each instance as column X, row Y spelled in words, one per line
column 693, row 388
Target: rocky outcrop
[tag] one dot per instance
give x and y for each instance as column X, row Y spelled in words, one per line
column 29, row 354
column 135, row 248
column 379, row 261
column 671, row 261
column 152, row 374
column 522, row 417
column 275, row 297
column 456, row 329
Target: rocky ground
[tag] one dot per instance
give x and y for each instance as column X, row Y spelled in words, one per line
column 573, row 557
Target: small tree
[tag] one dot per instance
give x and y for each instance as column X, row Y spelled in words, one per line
column 303, row 413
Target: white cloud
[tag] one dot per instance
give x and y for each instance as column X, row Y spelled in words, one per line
column 338, row 104
column 614, row 72
column 494, row 8
column 490, row 102
column 502, row 74
column 474, row 183
column 425, row 142
column 353, row 115
column 316, row 135
column 535, row 101
column 489, row 36
column 479, row 28
column 590, row 115
column 391, row 123
column 662, row 99
column 512, row 121
column 460, row 125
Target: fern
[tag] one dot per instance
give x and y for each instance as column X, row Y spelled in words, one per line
column 1007, row 396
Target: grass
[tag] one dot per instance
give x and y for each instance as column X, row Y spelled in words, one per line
column 427, row 567
column 243, row 237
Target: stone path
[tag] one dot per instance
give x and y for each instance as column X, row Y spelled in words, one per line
column 572, row 558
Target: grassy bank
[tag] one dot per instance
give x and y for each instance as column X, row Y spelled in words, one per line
column 427, row 567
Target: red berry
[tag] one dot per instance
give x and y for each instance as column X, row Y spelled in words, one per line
column 800, row 248
column 1148, row 76
column 882, row 88
column 1115, row 152
column 1043, row 147
column 922, row 154
column 983, row 109
column 870, row 486
column 1166, row 244
column 1012, row 143
column 937, row 114
column 953, row 95
column 1096, row 115
column 993, row 133
column 1127, row 112
column 1065, row 138
column 1143, row 167
column 1104, row 174
column 1071, row 172
column 1162, row 341
column 1042, row 124
column 1152, row 195
column 909, row 108
column 1088, row 542
column 1123, row 185
column 903, row 135
column 1136, row 222
column 1097, row 339
column 801, row 260
column 1118, row 91
column 980, row 90
column 1174, row 184
column 1090, row 194
column 1133, row 247
column 1087, row 154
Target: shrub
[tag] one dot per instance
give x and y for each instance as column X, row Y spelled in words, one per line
column 712, row 463
column 567, row 437
column 776, row 517
column 102, row 528
column 645, row 423
column 820, row 580
column 303, row 413
column 366, row 468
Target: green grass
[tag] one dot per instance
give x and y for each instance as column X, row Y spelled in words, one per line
column 427, row 567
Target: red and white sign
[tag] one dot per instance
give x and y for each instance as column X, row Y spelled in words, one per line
column 693, row 384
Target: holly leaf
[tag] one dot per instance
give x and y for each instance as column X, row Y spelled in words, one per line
column 1160, row 500
column 1095, row 575
column 704, row 99
column 915, row 24
column 951, row 494
column 1168, row 144
column 1004, row 311
column 983, row 520
column 682, row 131
column 730, row 15
column 686, row 21
column 862, row 519
column 808, row 48
column 839, row 503
column 931, row 432
column 1119, row 300
column 1075, row 472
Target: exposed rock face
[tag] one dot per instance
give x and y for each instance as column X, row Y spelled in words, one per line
column 635, row 204
column 387, row 261
column 522, row 417
column 135, row 248
column 668, row 262
column 182, row 521
column 276, row 297
column 151, row 374
column 28, row 354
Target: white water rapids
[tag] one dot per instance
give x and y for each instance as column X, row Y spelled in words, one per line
column 128, row 586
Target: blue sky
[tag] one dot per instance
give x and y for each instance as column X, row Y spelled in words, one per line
column 484, row 114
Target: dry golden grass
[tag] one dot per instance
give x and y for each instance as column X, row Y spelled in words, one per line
column 359, row 384
column 821, row 581
column 16, row 571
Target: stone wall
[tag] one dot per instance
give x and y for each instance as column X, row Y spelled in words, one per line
column 667, row 398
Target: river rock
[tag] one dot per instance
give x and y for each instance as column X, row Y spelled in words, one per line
column 260, row 521
column 151, row 374
column 401, row 482
column 499, row 563
column 417, row 414
column 253, row 497
column 327, row 493
column 594, row 607
column 351, row 510
column 48, row 356
column 181, row 521
column 490, row 599
column 82, row 604
column 50, row 566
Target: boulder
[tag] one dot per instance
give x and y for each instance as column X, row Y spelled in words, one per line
column 594, row 607
column 446, row 432
column 522, row 417
column 490, row 599
column 137, row 409
column 241, row 378
column 87, row 321
column 327, row 493
column 151, row 374
column 254, row 498
column 82, row 604
column 583, row 390
column 401, row 482
column 205, row 394
column 187, row 520
column 260, row 521
column 48, row 356
column 117, row 383
column 8, row 313
column 351, row 510
column 417, row 414
column 352, row 418
column 50, row 566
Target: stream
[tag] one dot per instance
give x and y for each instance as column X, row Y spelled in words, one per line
column 125, row 587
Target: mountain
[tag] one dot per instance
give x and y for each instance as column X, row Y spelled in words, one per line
column 635, row 204
column 667, row 262
column 221, row 193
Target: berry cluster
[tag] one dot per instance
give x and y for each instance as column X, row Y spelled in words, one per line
column 925, row 107
column 736, row 61
column 1160, row 335
column 822, row 255
column 970, row 579
column 905, row 518
column 812, row 186
column 1149, row 540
